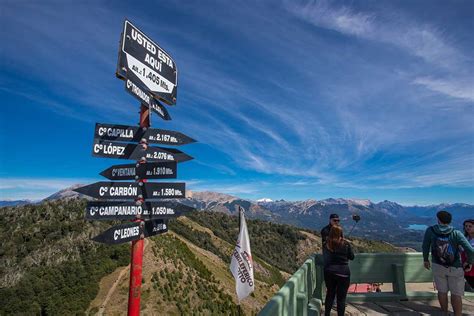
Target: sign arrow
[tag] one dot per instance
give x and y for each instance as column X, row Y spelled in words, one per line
column 114, row 210
column 111, row 149
column 149, row 170
column 149, row 63
column 155, row 227
column 135, row 134
column 131, row 231
column 132, row 190
column 138, row 91
column 163, row 190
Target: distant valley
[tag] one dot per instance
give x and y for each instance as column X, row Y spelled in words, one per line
column 387, row 221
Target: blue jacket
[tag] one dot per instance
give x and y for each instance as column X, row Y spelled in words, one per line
column 456, row 238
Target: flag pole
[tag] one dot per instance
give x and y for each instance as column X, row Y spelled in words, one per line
column 239, row 311
column 240, row 217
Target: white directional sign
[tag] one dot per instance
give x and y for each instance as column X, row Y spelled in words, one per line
column 146, row 62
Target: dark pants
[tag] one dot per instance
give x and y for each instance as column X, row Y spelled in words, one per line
column 470, row 280
column 336, row 286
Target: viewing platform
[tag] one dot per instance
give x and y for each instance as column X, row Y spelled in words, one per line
column 407, row 288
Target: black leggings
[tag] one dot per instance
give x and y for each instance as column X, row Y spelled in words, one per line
column 470, row 280
column 336, row 286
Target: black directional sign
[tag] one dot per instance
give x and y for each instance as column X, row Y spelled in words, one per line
column 164, row 190
column 135, row 134
column 131, row 231
column 132, row 190
column 116, row 210
column 146, row 62
column 139, row 92
column 149, row 170
column 155, row 227
column 111, row 149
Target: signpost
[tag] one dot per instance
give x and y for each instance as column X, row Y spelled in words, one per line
column 112, row 149
column 149, row 170
column 136, row 134
column 135, row 89
column 117, row 210
column 151, row 76
column 131, row 232
column 133, row 190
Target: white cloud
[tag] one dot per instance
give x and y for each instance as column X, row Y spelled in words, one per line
column 342, row 19
column 461, row 89
column 227, row 188
column 35, row 188
column 421, row 40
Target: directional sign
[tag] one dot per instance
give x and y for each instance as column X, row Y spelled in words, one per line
column 149, row 170
column 132, row 190
column 115, row 210
column 163, row 190
column 135, row 134
column 137, row 90
column 110, row 149
column 131, row 231
column 155, row 227
column 147, row 62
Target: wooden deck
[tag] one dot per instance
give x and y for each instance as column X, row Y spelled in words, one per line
column 402, row 308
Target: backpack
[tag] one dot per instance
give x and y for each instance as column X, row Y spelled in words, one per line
column 442, row 251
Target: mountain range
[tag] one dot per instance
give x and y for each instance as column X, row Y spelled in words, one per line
column 49, row 265
column 386, row 220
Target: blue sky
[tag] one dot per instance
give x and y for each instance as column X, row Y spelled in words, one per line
column 292, row 100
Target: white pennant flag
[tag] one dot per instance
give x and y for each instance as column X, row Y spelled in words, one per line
column 241, row 264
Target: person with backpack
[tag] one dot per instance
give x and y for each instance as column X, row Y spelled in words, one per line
column 444, row 241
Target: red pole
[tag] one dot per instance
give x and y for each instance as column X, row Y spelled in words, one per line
column 136, row 262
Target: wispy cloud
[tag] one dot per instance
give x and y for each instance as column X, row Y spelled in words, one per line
column 342, row 19
column 421, row 40
column 35, row 188
column 228, row 188
column 462, row 89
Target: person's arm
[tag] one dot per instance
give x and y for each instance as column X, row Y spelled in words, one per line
column 350, row 253
column 468, row 250
column 327, row 256
column 426, row 247
column 324, row 235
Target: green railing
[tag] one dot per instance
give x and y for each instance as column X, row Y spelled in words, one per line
column 296, row 295
column 302, row 294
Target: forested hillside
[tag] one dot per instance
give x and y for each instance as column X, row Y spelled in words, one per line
column 49, row 266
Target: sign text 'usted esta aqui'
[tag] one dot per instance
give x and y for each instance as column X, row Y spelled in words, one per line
column 147, row 63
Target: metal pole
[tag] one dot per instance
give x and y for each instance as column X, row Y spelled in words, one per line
column 353, row 226
column 136, row 262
